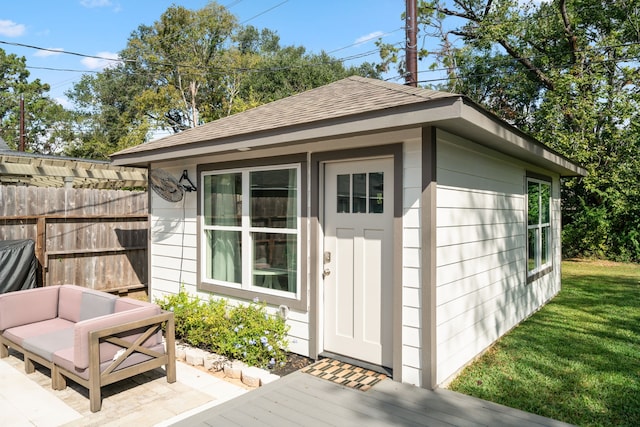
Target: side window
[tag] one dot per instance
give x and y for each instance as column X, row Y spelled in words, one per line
column 251, row 229
column 538, row 226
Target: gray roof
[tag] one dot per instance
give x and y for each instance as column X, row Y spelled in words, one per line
column 347, row 97
column 348, row 107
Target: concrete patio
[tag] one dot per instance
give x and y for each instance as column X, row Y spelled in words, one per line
column 145, row 400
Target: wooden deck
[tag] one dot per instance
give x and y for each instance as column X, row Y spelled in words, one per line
column 301, row 399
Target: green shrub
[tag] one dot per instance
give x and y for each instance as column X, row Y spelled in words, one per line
column 245, row 332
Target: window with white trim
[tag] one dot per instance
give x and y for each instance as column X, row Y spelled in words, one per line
column 538, row 226
column 250, row 226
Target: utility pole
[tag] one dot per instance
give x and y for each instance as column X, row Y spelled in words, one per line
column 411, row 49
column 22, row 132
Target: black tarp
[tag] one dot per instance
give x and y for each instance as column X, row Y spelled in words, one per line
column 17, row 265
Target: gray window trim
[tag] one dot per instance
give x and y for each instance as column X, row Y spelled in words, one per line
column 275, row 300
column 540, row 273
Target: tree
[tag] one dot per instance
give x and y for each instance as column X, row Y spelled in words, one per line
column 183, row 56
column 47, row 125
column 188, row 68
column 105, row 113
column 566, row 72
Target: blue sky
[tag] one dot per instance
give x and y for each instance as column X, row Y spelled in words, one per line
column 343, row 28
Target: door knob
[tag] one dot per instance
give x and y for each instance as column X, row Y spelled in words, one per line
column 326, row 272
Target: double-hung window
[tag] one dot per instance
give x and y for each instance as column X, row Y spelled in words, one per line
column 250, row 226
column 538, row 226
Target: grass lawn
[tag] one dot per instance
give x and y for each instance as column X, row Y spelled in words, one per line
column 577, row 359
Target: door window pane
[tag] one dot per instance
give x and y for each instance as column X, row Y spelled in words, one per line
column 376, row 192
column 344, row 193
column 223, row 199
column 359, row 193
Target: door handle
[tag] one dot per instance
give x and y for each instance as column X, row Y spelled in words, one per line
column 326, row 272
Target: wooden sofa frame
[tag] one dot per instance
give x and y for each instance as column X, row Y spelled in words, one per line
column 110, row 375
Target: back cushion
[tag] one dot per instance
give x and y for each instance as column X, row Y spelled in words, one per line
column 28, row 306
column 95, row 305
column 124, row 303
column 78, row 303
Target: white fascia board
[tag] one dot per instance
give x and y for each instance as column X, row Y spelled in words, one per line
column 482, row 127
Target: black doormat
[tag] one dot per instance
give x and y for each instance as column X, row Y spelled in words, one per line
column 345, row 374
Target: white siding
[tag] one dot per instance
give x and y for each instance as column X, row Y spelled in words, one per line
column 174, row 254
column 481, row 251
column 411, row 255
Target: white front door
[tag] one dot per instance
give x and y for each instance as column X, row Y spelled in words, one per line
column 358, row 259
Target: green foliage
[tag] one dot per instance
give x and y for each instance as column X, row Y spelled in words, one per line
column 188, row 68
column 47, row 123
column 587, row 235
column 565, row 72
column 245, row 332
column 576, row 360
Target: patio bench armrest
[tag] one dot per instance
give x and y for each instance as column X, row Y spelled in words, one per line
column 127, row 326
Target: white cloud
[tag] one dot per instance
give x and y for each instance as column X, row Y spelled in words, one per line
column 51, row 51
column 95, row 3
column 11, row 29
column 100, row 64
column 369, row 37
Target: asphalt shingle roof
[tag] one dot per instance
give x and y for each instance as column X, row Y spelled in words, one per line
column 347, row 97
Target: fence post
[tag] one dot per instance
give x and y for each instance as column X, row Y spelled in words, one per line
column 41, row 227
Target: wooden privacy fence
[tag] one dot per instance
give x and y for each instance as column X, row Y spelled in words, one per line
column 93, row 238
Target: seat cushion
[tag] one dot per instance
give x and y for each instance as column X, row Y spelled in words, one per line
column 64, row 359
column 20, row 333
column 47, row 344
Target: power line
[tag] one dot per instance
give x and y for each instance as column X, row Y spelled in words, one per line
column 369, row 39
column 180, row 65
column 273, row 69
column 495, row 71
column 263, row 12
column 233, row 3
column 58, row 51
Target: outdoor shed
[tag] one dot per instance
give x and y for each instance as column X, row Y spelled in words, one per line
column 395, row 226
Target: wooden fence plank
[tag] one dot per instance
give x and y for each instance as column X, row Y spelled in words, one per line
column 93, row 238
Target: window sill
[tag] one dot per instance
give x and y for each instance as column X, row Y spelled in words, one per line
column 538, row 274
column 273, row 300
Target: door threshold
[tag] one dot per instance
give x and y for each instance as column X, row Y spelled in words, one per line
column 356, row 362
